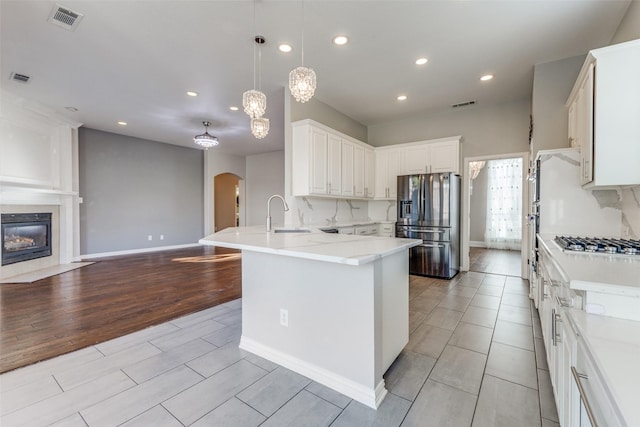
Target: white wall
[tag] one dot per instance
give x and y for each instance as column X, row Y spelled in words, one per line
column 38, row 173
column 485, row 130
column 264, row 177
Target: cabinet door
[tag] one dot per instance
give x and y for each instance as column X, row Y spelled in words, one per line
column 347, row 169
column 318, row 163
column 585, row 126
column 444, row 157
column 416, row 159
column 382, row 174
column 395, row 168
column 334, row 165
column 369, row 172
column 358, row 171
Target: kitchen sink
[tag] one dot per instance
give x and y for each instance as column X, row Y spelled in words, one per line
column 292, row 230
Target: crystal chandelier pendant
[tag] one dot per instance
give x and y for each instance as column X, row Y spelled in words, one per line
column 302, row 83
column 254, row 103
column 259, row 127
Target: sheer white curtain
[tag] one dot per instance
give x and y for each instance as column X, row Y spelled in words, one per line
column 504, row 204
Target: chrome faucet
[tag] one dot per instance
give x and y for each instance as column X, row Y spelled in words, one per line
column 286, row 208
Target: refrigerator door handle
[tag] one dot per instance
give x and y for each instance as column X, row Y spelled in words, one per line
column 431, row 246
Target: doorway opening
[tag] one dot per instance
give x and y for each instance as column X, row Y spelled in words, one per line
column 494, row 228
column 227, row 199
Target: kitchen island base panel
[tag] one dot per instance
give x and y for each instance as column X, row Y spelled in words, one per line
column 346, row 323
column 364, row 395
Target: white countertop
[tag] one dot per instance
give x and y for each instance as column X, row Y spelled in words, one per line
column 317, row 245
column 611, row 274
column 615, row 346
column 354, row 223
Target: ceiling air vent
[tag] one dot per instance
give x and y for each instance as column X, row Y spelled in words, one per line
column 64, row 17
column 463, row 104
column 19, row 78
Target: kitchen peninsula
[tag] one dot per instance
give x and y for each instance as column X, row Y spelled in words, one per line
column 331, row 307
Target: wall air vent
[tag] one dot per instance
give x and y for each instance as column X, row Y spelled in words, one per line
column 64, row 17
column 22, row 78
column 463, row 104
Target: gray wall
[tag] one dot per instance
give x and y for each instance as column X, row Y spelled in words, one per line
column 552, row 83
column 132, row 188
column 629, row 28
column 486, row 130
column 265, row 176
column 323, row 113
column 478, row 207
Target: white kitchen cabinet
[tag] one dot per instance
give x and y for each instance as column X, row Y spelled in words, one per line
column 603, row 116
column 389, row 164
column 346, row 230
column 432, row 157
column 310, row 161
column 328, row 163
column 334, row 164
column 358, row 171
column 348, row 186
column 386, row 230
column 369, row 172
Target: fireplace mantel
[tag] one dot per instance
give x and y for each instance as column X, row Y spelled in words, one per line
column 41, row 176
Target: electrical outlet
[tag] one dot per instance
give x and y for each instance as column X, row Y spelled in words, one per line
column 149, row 237
column 284, row 317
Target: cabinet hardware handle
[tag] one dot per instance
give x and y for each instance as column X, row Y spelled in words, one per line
column 577, row 378
column 554, row 327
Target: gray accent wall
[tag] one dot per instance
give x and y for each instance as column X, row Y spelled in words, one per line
column 478, row 207
column 552, row 83
column 132, row 188
column 485, row 129
column 329, row 116
column 265, row 177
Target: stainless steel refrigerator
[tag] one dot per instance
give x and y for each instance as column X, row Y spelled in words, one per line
column 429, row 209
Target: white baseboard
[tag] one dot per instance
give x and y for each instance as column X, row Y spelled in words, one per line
column 370, row 397
column 136, row 251
column 477, row 244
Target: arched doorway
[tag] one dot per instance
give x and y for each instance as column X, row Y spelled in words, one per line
column 227, row 196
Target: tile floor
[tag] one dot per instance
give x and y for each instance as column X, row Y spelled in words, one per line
column 495, row 261
column 474, row 359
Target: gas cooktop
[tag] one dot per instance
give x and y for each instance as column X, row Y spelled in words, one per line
column 599, row 245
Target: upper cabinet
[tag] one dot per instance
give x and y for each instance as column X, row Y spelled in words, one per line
column 327, row 163
column 432, row 156
column 389, row 164
column 604, row 111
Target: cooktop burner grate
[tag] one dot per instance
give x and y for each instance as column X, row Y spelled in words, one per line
column 599, row 245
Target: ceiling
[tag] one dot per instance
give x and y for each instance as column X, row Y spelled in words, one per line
column 134, row 61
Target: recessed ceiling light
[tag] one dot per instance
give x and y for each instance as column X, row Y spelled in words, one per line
column 340, row 40
column 121, row 123
column 191, row 93
column 486, row 77
column 421, row 61
column 284, row 47
column 401, row 97
column 233, row 108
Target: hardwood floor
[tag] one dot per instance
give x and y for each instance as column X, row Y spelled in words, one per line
column 113, row 297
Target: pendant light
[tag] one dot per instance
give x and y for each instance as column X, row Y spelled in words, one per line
column 302, row 80
column 259, row 127
column 206, row 140
column 254, row 101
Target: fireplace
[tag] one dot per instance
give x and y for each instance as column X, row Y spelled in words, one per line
column 25, row 236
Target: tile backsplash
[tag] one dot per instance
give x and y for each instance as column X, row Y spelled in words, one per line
column 630, row 203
